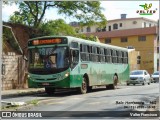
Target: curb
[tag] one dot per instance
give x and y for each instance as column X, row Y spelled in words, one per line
column 22, row 93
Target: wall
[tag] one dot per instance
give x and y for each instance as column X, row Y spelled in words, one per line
column 146, row 49
column 13, row 72
column 133, row 60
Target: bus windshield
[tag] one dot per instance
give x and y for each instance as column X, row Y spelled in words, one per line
column 48, row 60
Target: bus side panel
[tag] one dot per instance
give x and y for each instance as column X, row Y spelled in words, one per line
column 75, row 80
column 65, row 83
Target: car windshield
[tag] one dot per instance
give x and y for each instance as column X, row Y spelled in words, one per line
column 137, row 73
column 156, row 73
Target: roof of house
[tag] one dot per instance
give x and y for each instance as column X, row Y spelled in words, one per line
column 76, row 24
column 132, row 19
column 126, row 32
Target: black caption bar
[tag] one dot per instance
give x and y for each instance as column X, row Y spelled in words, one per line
column 77, row 114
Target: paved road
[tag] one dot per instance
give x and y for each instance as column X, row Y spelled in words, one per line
column 126, row 98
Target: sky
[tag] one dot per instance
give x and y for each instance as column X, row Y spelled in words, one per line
column 112, row 11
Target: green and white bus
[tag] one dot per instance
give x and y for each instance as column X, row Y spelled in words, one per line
column 67, row 62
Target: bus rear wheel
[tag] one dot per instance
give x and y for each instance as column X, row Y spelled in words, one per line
column 83, row 88
column 49, row 90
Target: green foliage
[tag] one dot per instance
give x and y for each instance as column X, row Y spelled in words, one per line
column 83, row 36
column 8, row 37
column 32, row 12
column 56, row 27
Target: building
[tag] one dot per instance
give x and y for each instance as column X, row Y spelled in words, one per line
column 134, row 59
column 141, row 33
column 116, row 24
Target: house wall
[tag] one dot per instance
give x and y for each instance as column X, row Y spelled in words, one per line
column 13, row 72
column 146, row 49
column 132, row 55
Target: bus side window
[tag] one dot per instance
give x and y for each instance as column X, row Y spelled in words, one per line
column 88, row 53
column 112, row 56
column 83, row 55
column 98, row 56
column 116, row 57
column 94, row 52
column 119, row 57
column 108, row 55
column 75, row 58
column 102, row 55
column 124, row 57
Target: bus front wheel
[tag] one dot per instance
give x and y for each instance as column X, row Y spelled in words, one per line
column 49, row 90
column 83, row 88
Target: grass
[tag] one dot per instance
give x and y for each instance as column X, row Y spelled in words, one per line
column 34, row 102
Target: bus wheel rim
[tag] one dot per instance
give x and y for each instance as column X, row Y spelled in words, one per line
column 84, row 85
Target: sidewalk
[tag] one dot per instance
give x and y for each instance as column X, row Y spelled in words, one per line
column 21, row 92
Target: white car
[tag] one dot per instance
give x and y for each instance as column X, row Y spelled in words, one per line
column 139, row 77
column 155, row 77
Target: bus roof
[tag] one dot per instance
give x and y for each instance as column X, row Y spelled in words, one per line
column 70, row 38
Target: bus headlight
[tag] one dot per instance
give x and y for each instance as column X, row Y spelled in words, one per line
column 67, row 74
column 28, row 76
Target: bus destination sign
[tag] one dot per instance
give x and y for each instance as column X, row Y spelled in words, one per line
column 48, row 41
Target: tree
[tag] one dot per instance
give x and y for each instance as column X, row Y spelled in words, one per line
column 56, row 27
column 86, row 12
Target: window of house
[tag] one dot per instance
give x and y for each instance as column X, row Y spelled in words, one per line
column 108, row 40
column 144, row 24
column 104, row 29
column 142, row 38
column 115, row 26
column 157, row 64
column 88, row 29
column 109, row 28
column 150, row 24
column 157, row 49
column 124, row 39
column 120, row 25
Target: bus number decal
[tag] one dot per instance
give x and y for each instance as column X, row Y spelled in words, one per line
column 84, row 66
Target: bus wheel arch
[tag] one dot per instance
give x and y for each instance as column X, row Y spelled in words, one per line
column 115, row 80
column 89, row 88
column 85, row 84
column 83, row 88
